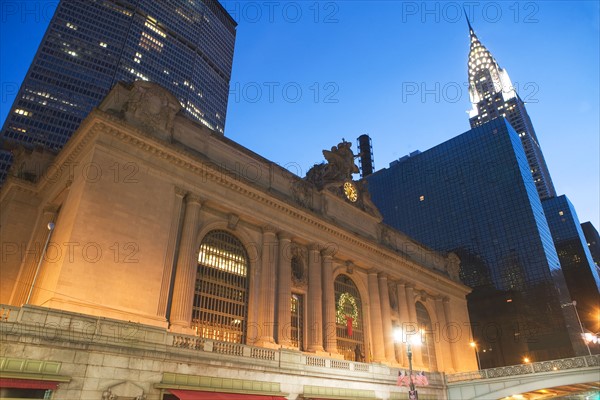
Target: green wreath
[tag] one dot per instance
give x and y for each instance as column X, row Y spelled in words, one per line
column 340, row 313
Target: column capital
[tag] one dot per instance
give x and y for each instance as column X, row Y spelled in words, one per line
column 383, row 275
column 284, row 236
column 328, row 252
column 314, row 247
column 269, row 230
column 179, row 191
column 373, row 272
column 50, row 209
column 192, row 198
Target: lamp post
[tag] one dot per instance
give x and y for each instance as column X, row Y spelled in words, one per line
column 574, row 305
column 399, row 337
column 50, row 227
column 412, row 393
column 474, row 345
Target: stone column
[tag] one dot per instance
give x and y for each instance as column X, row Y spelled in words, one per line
column 329, row 323
column 315, row 303
column 451, row 343
column 386, row 318
column 169, row 262
column 32, row 257
column 187, row 265
column 444, row 361
column 284, row 289
column 266, row 317
column 378, row 349
column 404, row 321
column 413, row 325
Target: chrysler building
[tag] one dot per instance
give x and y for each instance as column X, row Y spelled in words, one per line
column 492, row 95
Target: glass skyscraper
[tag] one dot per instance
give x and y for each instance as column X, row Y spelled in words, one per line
column 186, row 46
column 575, row 259
column 492, row 96
column 475, row 195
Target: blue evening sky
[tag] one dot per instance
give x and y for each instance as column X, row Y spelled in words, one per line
column 307, row 74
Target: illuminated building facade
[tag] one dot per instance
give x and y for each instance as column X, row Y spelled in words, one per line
column 182, row 265
column 473, row 195
column 575, row 258
column 90, row 45
column 493, row 96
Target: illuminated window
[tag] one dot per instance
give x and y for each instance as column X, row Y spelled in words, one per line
column 349, row 317
column 102, row 44
column 427, row 337
column 220, row 309
column 296, row 323
column 421, row 198
column 20, row 111
column 561, row 213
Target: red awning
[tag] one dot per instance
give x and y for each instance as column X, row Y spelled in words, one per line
column 199, row 395
column 27, row 384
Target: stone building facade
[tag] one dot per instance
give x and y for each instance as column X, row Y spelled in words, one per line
column 154, row 258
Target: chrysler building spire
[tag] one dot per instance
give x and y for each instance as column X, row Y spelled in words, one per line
column 493, row 96
column 486, row 78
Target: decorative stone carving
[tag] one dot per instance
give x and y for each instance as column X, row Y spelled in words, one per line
column 339, row 168
column 349, row 267
column 338, row 171
column 302, row 193
column 393, row 294
column 233, row 221
column 298, row 265
column 124, row 390
column 152, row 108
column 453, row 267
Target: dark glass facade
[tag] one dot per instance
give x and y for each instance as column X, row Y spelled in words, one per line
column 474, row 195
column 575, row 259
column 593, row 241
column 186, row 46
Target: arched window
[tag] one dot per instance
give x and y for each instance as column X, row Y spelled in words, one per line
column 428, row 337
column 349, row 319
column 220, row 309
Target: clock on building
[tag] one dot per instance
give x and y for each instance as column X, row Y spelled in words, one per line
column 350, row 191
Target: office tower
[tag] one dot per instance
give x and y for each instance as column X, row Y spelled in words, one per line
column 575, row 258
column 492, row 95
column 474, row 195
column 90, row 45
column 593, row 241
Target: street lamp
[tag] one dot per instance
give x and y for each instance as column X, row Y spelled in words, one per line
column 412, row 339
column 474, row 345
column 574, row 305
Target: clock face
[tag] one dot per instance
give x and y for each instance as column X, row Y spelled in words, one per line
column 350, row 191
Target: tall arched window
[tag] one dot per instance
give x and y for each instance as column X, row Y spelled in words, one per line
column 349, row 318
column 220, row 308
column 428, row 337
